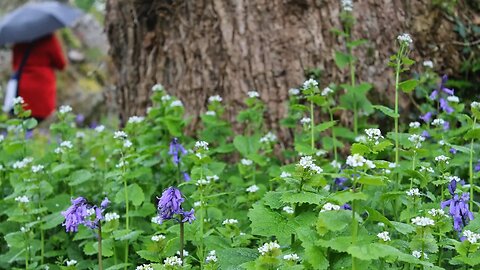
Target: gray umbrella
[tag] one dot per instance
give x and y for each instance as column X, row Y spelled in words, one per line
column 35, row 20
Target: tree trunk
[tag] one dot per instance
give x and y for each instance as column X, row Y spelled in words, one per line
column 199, row 48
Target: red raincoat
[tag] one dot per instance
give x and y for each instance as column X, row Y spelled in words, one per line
column 37, row 84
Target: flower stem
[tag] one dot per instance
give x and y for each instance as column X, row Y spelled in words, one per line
column 397, row 116
column 312, row 125
column 182, row 233
column 471, row 167
column 354, row 233
column 126, row 218
column 334, row 138
column 99, row 238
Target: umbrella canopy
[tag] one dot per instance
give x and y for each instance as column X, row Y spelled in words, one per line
column 35, row 20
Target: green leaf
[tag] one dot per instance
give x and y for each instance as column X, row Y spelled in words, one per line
column 373, row 251
column 302, row 197
column 30, row 123
column 79, row 177
column 408, row 86
column 385, row 110
column 403, row 228
column 152, row 256
column 348, row 196
column 266, row 222
column 371, row 180
column 472, row 134
column 135, row 194
column 131, row 235
column 246, row 145
column 358, row 148
column 381, row 146
column 333, row 221
column 273, row 199
column 232, row 258
column 374, row 215
column 324, row 126
column 342, row 59
column 340, row 243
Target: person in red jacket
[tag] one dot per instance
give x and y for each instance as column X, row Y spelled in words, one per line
column 37, row 85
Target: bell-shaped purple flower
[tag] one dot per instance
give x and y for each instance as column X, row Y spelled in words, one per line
column 427, row 118
column 170, row 203
column 175, row 149
column 186, row 177
column 75, row 215
column 425, row 134
column 477, row 167
column 188, row 216
column 444, row 89
column 459, row 210
column 446, row 126
column 445, row 107
column 452, row 150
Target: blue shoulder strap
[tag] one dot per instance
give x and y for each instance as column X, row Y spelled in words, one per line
column 18, row 74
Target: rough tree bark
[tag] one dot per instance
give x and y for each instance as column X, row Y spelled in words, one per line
column 198, row 48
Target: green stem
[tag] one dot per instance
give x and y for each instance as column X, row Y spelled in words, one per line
column 182, row 233
column 352, row 81
column 334, row 138
column 354, row 233
column 471, row 167
column 126, row 218
column 100, row 263
column 413, row 167
column 397, row 116
column 42, row 246
column 312, row 123
column 202, row 220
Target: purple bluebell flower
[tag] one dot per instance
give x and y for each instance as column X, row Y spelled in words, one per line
column 446, row 126
column 79, row 119
column 339, row 183
column 452, row 187
column 75, row 215
column 425, row 134
column 93, row 125
column 453, row 150
column 427, row 118
column 459, row 210
column 170, row 203
column 175, row 149
column 445, row 107
column 346, row 207
column 105, row 203
column 444, row 89
column 477, row 167
column 433, row 95
column 28, row 134
column 186, row 177
column 188, row 216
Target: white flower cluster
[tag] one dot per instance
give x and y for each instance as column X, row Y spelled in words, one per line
column 100, row 128
column 326, row 91
column 63, row 147
column 423, row 221
column 347, row 5
column 211, row 113
column 385, row 236
column 418, row 254
column 373, row 134
column 201, row 144
column 426, row 169
column 454, row 178
column 293, row 91
column 475, row 105
column 246, row 162
column 413, row 192
column 24, row 229
column 442, row 158
column 172, row 261
column 306, row 163
column 428, row 63
column 414, row 124
column 144, row 267
column 157, row 220
column 438, row 122
column 37, row 168
column 252, row 189
column 157, row 87
column 437, row 212
column 127, row 144
column 310, row 83
column 22, row 163
column 111, row 216
column 330, row 207
column 253, row 94
column 416, row 140
column 212, row 257
column 157, row 238
column 361, row 139
column 359, row 161
column 285, row 175
column 305, row 121
column 2, row 138
column 213, row 178
column 268, row 247
column 320, row 153
column 453, row 99
column 405, row 38
column 471, row 236
column 216, row 98
column 64, row 109
column 185, row 253
column 120, row 135
column 230, row 221
column 22, row 199
column 121, row 164
column 291, row 257
column 166, row 98
column 135, row 119
column 18, row 100
column 269, row 138
column 202, row 182
column 176, row 103
column 71, row 262
column 288, row 210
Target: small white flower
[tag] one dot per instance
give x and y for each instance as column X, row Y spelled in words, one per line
column 176, row 103
column 356, row 160
column 157, row 220
column 66, row 144
column 213, row 178
column 90, row 211
column 37, row 168
column 416, row 140
column 166, row 98
column 373, row 134
column 291, row 257
column 201, row 144
column 285, row 175
column 252, row 189
column 127, row 144
column 22, row 163
column 18, row 100
column 246, row 162
column 185, row 253
column 288, row 209
column 200, row 155
column 306, row 162
column 22, row 199
column 326, row 91
column 173, row 261
column 385, row 236
column 427, row 169
column 337, row 164
column 197, row 204
column 157, row 87
column 428, row 63
column 471, row 236
column 111, row 216
column 100, row 128
column 442, row 158
column 418, row 254
column 135, row 119
column 211, row 113
column 475, row 105
column 120, row 135
column 454, row 178
column 320, row 153
column 144, row 267
column 64, row 109
column 121, row 164
column 436, row 212
column 413, row 192
column 202, row 182
column 453, row 99
column 405, row 38
column 305, row 121
column 71, row 262
column 381, row 224
column 370, row 164
column 347, row 5
column 230, row 221
column 438, row 122
column 253, row 94
column 2, row 138
column 24, row 229
column 310, row 83
column 80, row 134
column 215, row 98
column 414, row 124
column 158, row 237
column 423, row 221
column 212, row 257
column 293, row 91
column 361, row 139
column 330, row 207
column 268, row 247
column 268, row 138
